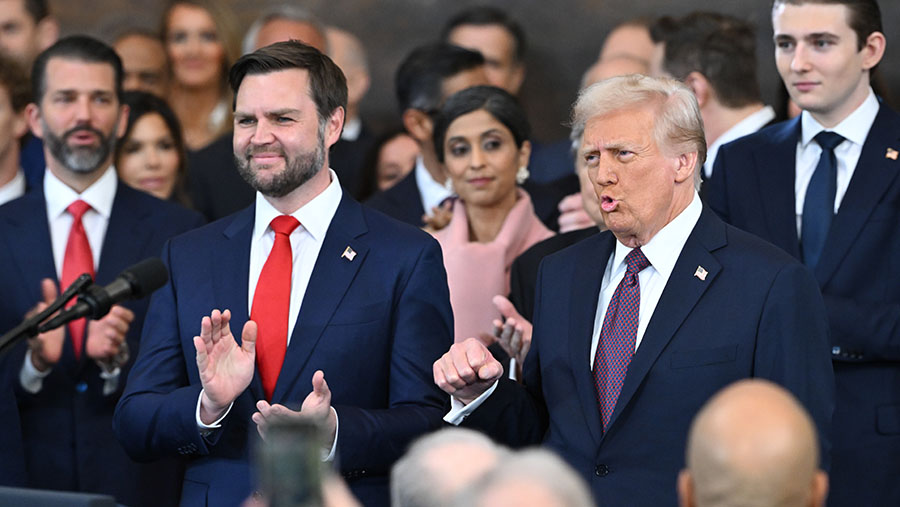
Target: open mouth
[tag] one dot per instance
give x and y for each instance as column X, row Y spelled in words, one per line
column 608, row 204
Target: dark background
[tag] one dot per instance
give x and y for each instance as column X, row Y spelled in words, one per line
column 564, row 38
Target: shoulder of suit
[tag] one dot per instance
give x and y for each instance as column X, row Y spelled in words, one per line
column 753, row 250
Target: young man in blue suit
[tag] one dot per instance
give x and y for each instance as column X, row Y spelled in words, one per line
column 825, row 188
column 359, row 299
column 636, row 327
column 68, row 381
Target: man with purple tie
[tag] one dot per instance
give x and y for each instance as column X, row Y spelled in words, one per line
column 636, row 327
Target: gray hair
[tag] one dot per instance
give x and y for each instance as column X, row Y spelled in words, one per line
column 538, row 467
column 281, row 11
column 415, row 482
column 678, row 126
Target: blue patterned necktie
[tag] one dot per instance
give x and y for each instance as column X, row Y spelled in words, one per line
column 618, row 336
column 818, row 206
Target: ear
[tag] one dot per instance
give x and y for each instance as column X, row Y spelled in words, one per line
column 873, row 51
column 419, row 125
column 518, row 77
column 20, row 124
column 819, row 489
column 123, row 121
column 685, row 489
column 698, row 83
column 47, row 32
column 333, row 127
column 33, row 118
column 686, row 167
column 524, row 153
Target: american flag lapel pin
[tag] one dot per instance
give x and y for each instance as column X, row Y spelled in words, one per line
column 701, row 273
column 349, row 254
column 891, row 154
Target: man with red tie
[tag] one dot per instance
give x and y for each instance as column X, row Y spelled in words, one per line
column 636, row 327
column 81, row 220
column 312, row 284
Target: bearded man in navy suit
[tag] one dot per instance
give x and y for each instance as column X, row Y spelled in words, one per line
column 637, row 326
column 364, row 303
column 825, row 187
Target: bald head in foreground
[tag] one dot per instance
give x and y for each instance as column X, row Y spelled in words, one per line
column 752, row 445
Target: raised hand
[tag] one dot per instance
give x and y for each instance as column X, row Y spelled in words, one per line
column 467, row 370
column 316, row 406
column 46, row 348
column 226, row 369
column 514, row 332
column 105, row 339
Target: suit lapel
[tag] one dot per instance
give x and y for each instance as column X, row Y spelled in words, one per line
column 776, row 186
column 678, row 299
column 126, row 236
column 330, row 279
column 33, row 252
column 585, row 293
column 872, row 177
column 231, row 274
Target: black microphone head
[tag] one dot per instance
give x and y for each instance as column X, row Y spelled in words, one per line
column 146, row 276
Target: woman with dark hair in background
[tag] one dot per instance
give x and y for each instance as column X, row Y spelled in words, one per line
column 151, row 156
column 391, row 158
column 201, row 41
column 481, row 135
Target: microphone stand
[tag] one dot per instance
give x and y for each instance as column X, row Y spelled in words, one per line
column 30, row 326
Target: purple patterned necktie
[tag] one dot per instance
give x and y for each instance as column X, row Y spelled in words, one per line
column 618, row 336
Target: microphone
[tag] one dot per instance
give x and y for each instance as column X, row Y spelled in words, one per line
column 134, row 282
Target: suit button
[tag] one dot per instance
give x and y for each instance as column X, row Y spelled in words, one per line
column 81, row 386
column 601, row 471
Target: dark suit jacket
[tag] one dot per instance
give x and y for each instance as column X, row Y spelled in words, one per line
column 374, row 325
column 402, row 201
column 214, row 184
column 524, row 271
column 757, row 314
column 859, row 274
column 67, row 425
column 348, row 158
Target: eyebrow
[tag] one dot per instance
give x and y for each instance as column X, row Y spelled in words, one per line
column 809, row 36
column 269, row 114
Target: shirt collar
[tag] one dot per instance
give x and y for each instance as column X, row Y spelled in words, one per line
column 315, row 216
column 352, row 128
column 854, row 127
column 432, row 192
column 100, row 195
column 664, row 248
column 15, row 188
column 747, row 126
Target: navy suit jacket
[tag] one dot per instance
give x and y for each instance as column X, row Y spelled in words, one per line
column 373, row 324
column 402, row 201
column 758, row 313
column 67, row 425
column 859, row 275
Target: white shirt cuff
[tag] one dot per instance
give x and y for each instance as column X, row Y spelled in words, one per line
column 206, row 429
column 110, row 379
column 458, row 411
column 31, row 379
column 337, row 426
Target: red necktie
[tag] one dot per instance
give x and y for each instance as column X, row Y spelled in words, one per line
column 78, row 260
column 272, row 304
column 618, row 336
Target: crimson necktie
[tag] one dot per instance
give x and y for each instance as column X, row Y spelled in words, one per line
column 272, row 304
column 78, row 260
column 618, row 336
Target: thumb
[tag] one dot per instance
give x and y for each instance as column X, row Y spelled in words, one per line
column 491, row 370
column 506, row 308
column 48, row 290
column 248, row 337
column 320, row 387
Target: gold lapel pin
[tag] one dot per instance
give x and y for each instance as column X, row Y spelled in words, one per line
column 891, row 154
column 701, row 273
column 349, row 254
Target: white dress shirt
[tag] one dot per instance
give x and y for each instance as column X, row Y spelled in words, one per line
column 662, row 251
column 58, row 196
column 306, row 242
column 431, row 192
column 14, row 189
column 855, row 128
column 745, row 127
